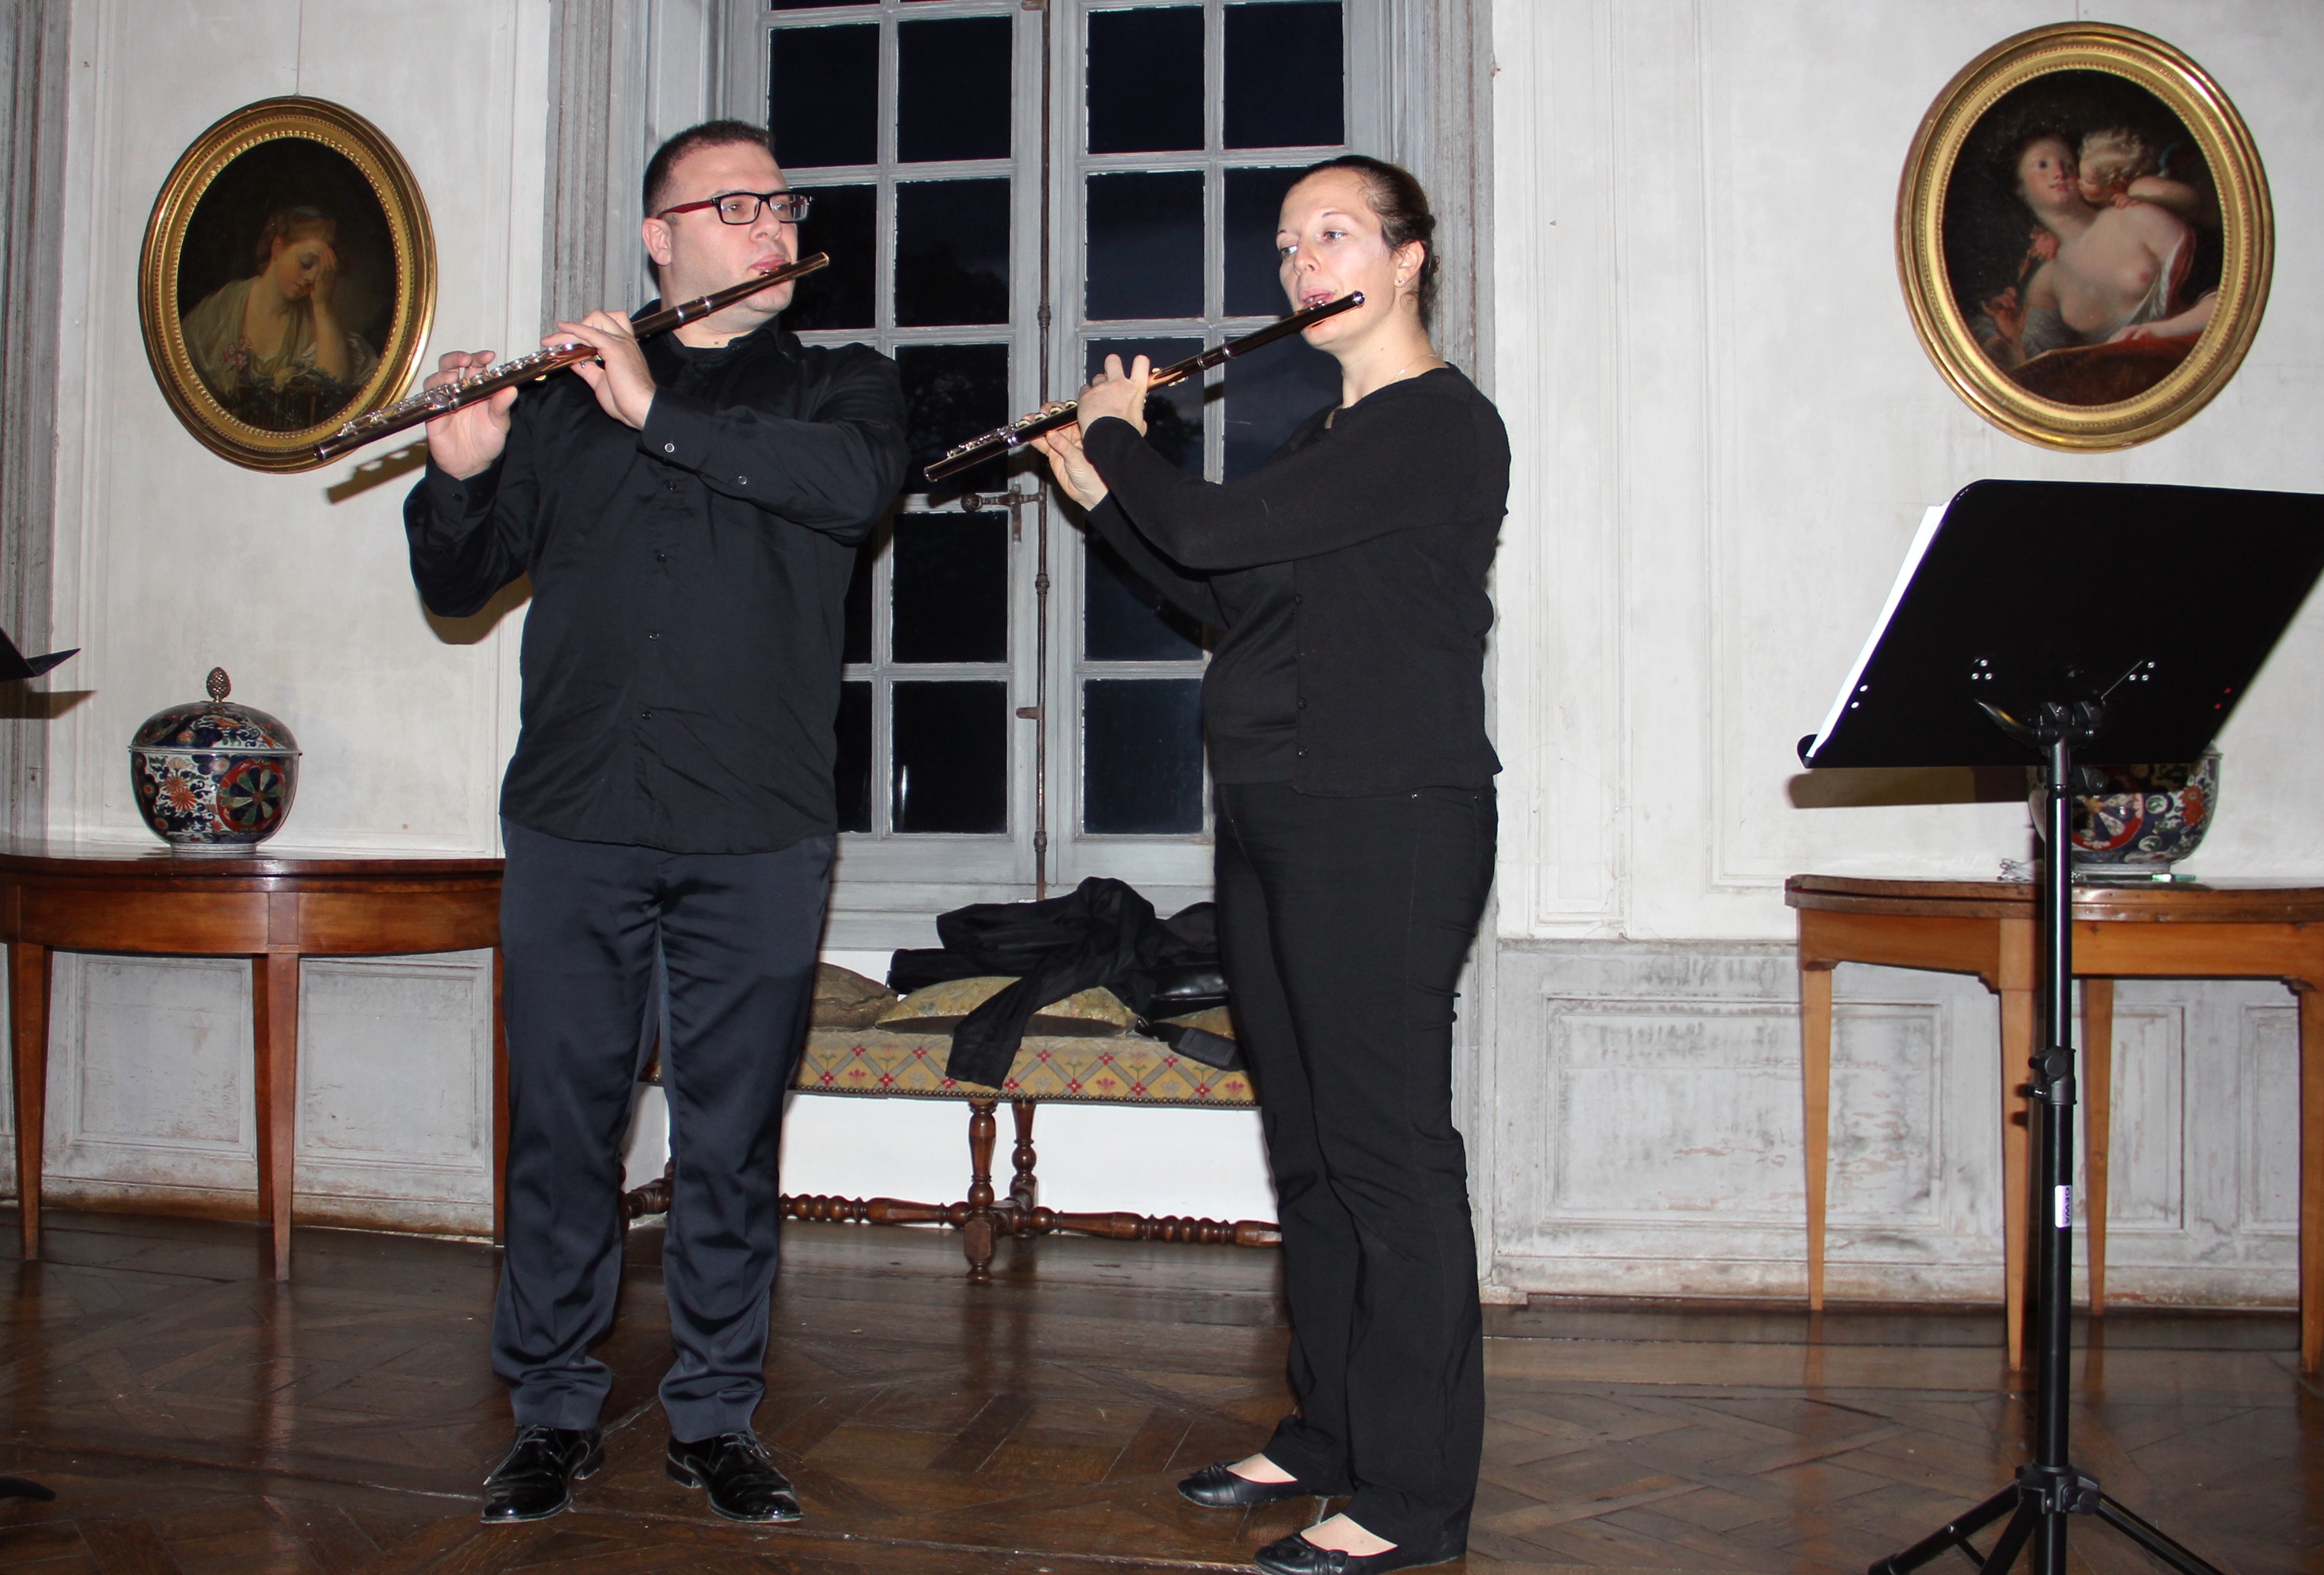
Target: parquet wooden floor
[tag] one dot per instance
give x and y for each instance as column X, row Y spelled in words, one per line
column 193, row 1416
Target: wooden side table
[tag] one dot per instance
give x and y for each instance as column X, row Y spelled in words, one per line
column 274, row 911
column 1990, row 929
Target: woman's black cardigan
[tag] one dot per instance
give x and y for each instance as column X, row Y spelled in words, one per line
column 1388, row 519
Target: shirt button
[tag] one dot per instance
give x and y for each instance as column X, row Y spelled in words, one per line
column 669, row 448
column 653, row 634
column 648, row 716
column 1301, row 702
column 741, row 481
column 661, row 557
column 1296, row 598
column 1301, row 753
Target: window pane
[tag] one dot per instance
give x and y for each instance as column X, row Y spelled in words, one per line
column 807, row 4
column 1146, row 80
column 952, row 252
column 853, row 778
column 952, row 588
column 1269, row 392
column 1254, row 206
column 1142, row 755
column 842, row 222
column 953, row 392
column 952, row 758
column 1145, row 244
column 1283, row 75
column 824, row 103
column 856, row 644
column 1173, row 415
column 1124, row 621
column 952, row 94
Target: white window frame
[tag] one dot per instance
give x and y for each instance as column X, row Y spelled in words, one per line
column 888, row 885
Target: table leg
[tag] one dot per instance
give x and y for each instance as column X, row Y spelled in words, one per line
column 275, row 998
column 501, row 1101
column 28, row 1040
column 2311, row 1176
column 1815, row 1085
column 2016, row 1119
column 2098, row 1100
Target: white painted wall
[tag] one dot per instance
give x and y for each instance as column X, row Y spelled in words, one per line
column 1725, row 433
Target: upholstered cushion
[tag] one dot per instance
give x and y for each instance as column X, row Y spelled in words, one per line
column 939, row 1008
column 845, row 999
column 1128, row 1070
column 1218, row 1020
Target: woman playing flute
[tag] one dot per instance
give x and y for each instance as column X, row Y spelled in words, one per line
column 1344, row 714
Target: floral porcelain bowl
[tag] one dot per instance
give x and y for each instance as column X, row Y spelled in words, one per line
column 214, row 776
column 2140, row 819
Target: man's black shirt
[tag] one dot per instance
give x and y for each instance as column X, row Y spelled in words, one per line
column 682, row 653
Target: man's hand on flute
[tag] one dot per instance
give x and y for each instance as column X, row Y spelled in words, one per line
column 465, row 442
column 624, row 387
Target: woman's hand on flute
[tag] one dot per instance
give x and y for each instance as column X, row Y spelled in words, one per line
column 466, row 442
column 1069, row 464
column 1117, row 393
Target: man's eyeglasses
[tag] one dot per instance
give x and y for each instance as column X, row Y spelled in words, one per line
column 743, row 207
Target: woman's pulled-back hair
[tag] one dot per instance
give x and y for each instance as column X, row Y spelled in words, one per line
column 1402, row 207
column 288, row 224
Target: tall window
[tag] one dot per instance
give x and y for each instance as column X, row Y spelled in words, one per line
column 1016, row 703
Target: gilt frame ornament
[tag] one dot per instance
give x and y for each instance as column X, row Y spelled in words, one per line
column 2103, row 308
column 288, row 280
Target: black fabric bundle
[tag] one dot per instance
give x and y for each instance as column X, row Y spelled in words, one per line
column 1101, row 933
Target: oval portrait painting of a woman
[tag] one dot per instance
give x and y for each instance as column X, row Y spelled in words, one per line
column 285, row 285
column 288, row 280
column 2084, row 235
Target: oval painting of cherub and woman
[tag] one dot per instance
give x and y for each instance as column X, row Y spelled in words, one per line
column 2082, row 237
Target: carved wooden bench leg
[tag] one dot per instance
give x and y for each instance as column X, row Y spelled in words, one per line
column 1024, row 1191
column 978, row 1224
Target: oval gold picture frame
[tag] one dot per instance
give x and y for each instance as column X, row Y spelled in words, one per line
column 2015, row 72
column 282, row 173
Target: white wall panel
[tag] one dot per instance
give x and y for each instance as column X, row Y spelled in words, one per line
column 1648, row 1131
column 171, row 561
column 1706, row 358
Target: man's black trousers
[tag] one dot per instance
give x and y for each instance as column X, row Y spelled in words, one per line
column 582, row 925
column 1343, row 923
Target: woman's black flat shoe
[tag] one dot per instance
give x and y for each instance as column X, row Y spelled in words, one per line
column 1215, row 1486
column 1295, row 1555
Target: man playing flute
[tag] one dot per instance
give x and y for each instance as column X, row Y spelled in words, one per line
column 687, row 508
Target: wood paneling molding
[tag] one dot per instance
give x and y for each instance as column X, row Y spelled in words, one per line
column 36, row 38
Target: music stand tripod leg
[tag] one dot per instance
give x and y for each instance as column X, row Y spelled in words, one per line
column 2048, row 1492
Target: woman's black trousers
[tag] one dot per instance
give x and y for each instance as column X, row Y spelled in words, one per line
column 1344, row 923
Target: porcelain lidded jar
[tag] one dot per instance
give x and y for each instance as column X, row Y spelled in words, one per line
column 214, row 776
column 2134, row 821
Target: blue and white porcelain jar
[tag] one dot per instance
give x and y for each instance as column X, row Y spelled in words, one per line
column 214, row 776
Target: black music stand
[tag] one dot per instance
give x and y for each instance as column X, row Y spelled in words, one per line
column 2042, row 618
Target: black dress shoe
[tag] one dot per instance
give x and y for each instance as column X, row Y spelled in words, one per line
column 536, row 1480
column 1295, row 1555
column 740, row 1476
column 1216, row 1486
